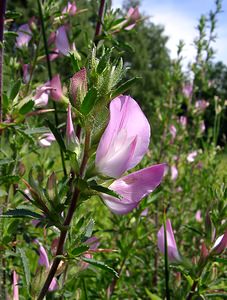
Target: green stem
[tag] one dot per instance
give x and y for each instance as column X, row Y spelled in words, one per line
column 166, row 261
column 50, row 76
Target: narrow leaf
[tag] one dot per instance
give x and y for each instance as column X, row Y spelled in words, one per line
column 89, row 101
column 57, row 135
column 100, row 265
column 124, row 87
column 79, row 250
column 21, row 213
column 25, row 263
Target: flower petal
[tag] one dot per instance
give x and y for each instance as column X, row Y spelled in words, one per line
column 62, row 42
column 128, row 120
column 133, row 187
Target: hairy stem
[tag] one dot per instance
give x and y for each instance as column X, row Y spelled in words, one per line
column 50, row 75
column 98, row 29
column 2, row 18
column 68, row 219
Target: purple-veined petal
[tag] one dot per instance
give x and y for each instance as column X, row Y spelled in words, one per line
column 125, row 140
column 132, row 188
column 43, row 258
column 173, row 253
column 56, row 91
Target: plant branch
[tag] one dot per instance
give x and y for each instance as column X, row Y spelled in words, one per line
column 2, row 18
column 50, row 75
column 66, row 224
column 98, row 29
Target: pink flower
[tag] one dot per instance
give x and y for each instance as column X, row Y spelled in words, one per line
column 183, row 121
column 201, row 105
column 191, row 156
column 132, row 17
column 172, row 250
column 198, row 216
column 220, row 244
column 42, row 96
column 132, row 188
column 24, row 36
column 187, row 90
column 125, row 140
column 61, row 41
column 46, row 140
column 144, row 213
column 56, row 91
column 70, row 9
column 173, row 132
column 174, row 172
column 202, row 126
column 26, row 73
column 44, row 261
column 15, row 286
column 71, row 139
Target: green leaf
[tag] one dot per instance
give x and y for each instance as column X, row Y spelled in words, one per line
column 79, row 250
column 124, row 87
column 94, row 186
column 15, row 90
column 25, row 263
column 57, row 135
column 21, row 213
column 37, row 130
column 88, row 101
column 152, row 296
column 103, row 62
column 27, row 107
column 100, row 265
column 9, row 179
column 89, row 229
column 6, row 161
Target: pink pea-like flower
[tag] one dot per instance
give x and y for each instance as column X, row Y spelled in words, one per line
column 173, row 132
column 42, row 96
column 125, row 140
column 183, row 121
column 122, row 146
column 132, row 17
column 61, row 41
column 191, row 156
column 56, row 88
column 70, row 9
column 220, row 244
column 71, row 138
column 24, row 36
column 173, row 254
column 26, row 73
column 198, row 216
column 174, row 172
column 78, row 84
column 187, row 90
column 46, row 140
column 201, row 105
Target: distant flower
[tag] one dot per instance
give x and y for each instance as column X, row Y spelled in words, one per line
column 191, row 156
column 187, row 90
column 132, row 17
column 72, row 141
column 202, row 126
column 198, row 216
column 70, row 9
column 26, row 73
column 201, row 105
column 24, row 36
column 174, row 172
column 183, row 121
column 15, row 286
column 144, row 213
column 220, row 244
column 46, row 139
column 173, row 132
column 173, row 254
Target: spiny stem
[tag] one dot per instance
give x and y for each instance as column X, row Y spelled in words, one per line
column 50, row 76
column 98, row 29
column 2, row 18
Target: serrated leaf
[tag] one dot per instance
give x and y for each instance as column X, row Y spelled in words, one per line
column 27, row 107
column 100, row 265
column 89, row 101
column 25, row 263
column 79, row 250
column 57, row 135
column 21, row 213
column 124, row 87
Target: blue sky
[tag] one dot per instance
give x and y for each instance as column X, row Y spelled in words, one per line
column 180, row 17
